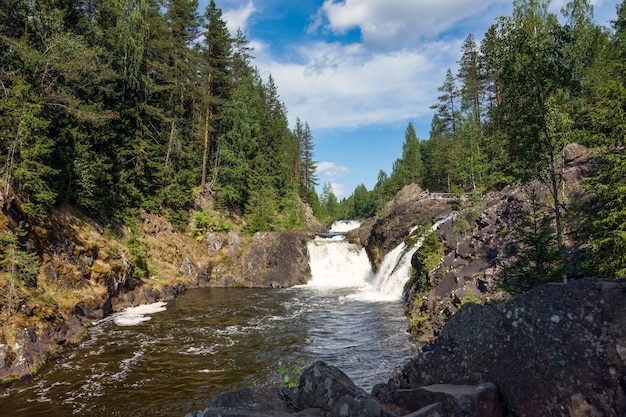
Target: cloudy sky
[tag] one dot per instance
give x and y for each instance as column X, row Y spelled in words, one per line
column 358, row 71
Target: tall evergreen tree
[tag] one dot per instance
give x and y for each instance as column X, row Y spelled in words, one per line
column 533, row 79
column 307, row 164
column 447, row 107
column 471, row 79
column 218, row 61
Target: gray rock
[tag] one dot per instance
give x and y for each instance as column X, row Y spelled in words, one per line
column 433, row 410
column 329, row 389
column 557, row 350
column 323, row 391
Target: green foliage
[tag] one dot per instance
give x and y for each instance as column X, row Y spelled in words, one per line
column 290, row 375
column 115, row 107
column 428, row 257
column 207, row 220
column 461, row 225
column 604, row 220
column 18, row 267
column 538, row 257
column 470, row 297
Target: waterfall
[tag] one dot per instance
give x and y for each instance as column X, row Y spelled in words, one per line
column 335, row 262
column 396, row 265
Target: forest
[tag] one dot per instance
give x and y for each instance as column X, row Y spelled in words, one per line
column 121, row 106
column 113, row 106
column 535, row 83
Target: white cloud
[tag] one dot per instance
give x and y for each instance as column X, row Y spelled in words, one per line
column 338, row 189
column 347, row 86
column 393, row 22
column 238, row 18
column 331, row 170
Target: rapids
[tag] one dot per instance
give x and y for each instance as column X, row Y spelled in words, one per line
column 171, row 359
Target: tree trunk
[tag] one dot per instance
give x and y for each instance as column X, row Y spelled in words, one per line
column 207, row 134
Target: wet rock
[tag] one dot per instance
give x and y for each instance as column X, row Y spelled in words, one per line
column 329, row 389
column 249, row 402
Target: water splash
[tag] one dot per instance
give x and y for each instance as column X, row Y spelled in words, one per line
column 395, row 268
column 335, row 262
column 133, row 316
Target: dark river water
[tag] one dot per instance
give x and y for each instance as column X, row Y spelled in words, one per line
column 213, row 340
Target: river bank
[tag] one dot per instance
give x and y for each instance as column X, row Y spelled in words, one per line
column 211, row 340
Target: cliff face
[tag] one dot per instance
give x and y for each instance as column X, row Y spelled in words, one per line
column 476, row 242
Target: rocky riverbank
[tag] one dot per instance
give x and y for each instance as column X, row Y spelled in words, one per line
column 88, row 271
column 559, row 350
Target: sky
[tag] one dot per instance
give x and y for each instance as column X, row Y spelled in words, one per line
column 358, row 71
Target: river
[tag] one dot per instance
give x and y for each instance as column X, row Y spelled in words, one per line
column 171, row 359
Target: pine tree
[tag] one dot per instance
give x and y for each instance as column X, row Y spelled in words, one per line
column 538, row 257
column 603, row 225
column 307, row 165
column 218, row 61
column 471, row 79
column 447, row 106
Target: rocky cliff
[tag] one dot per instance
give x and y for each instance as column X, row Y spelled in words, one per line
column 476, row 242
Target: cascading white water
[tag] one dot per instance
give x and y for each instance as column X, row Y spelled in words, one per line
column 343, row 226
column 395, row 268
column 335, row 262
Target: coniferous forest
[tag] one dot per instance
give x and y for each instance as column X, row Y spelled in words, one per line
column 117, row 105
column 535, row 83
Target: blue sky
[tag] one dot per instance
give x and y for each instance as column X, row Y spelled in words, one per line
column 358, row 71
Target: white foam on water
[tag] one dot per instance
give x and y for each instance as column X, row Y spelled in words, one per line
column 395, row 268
column 343, row 226
column 133, row 316
column 337, row 263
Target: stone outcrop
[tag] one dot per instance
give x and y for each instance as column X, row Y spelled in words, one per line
column 559, row 350
column 410, row 207
column 325, row 391
column 477, row 243
column 271, row 260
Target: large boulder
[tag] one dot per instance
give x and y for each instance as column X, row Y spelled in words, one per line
column 327, row 388
column 325, row 391
column 559, row 350
column 271, row 260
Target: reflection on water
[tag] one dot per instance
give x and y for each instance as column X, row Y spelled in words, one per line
column 168, row 360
